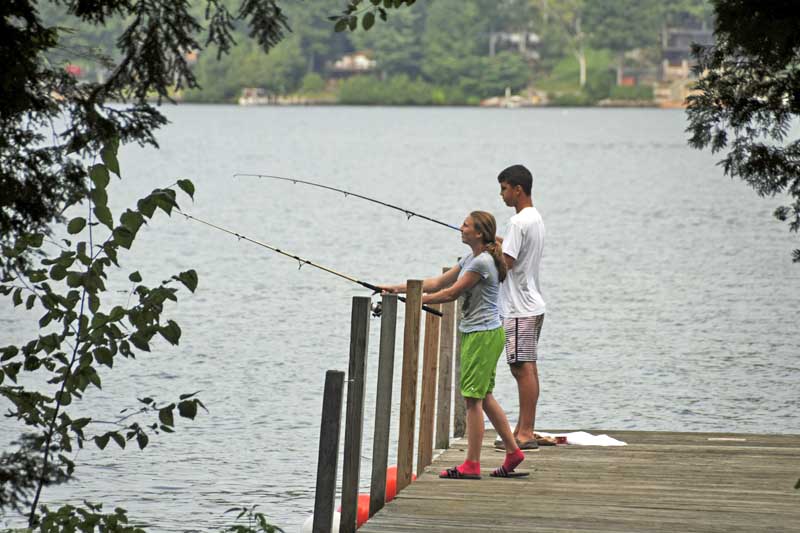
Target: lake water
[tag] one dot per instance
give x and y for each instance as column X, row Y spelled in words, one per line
column 672, row 299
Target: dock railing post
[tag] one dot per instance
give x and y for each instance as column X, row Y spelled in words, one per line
column 459, row 407
column 445, row 387
column 325, row 496
column 427, row 403
column 408, row 387
column 354, row 418
column 383, row 404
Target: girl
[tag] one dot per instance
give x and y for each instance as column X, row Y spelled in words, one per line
column 477, row 276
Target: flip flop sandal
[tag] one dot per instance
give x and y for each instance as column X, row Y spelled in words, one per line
column 453, row 473
column 528, row 445
column 502, row 472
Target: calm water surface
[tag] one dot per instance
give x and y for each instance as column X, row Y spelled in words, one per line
column 672, row 300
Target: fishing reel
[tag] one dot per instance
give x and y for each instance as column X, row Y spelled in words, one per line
column 377, row 309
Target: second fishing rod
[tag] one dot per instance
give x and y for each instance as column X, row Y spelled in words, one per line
column 302, row 261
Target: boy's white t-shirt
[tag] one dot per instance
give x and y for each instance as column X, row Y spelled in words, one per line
column 520, row 292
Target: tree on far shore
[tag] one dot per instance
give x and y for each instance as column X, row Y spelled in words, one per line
column 623, row 25
column 749, row 98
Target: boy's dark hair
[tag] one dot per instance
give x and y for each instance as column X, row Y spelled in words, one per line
column 517, row 175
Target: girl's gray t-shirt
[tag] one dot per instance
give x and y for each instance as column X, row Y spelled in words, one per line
column 479, row 311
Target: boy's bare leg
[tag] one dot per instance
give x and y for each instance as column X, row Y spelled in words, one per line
column 527, row 376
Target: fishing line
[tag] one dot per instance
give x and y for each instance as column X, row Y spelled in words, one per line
column 409, row 214
column 301, row 261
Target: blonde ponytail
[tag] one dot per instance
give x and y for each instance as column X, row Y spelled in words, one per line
column 486, row 225
column 496, row 251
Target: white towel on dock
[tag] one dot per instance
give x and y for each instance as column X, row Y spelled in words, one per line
column 583, row 438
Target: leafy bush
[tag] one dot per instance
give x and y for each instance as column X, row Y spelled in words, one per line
column 396, row 90
column 312, row 83
column 576, row 99
column 637, row 92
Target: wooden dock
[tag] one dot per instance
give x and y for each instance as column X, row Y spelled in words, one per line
column 677, row 482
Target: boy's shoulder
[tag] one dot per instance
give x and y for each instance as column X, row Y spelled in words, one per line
column 529, row 215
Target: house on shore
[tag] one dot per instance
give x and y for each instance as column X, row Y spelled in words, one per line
column 676, row 76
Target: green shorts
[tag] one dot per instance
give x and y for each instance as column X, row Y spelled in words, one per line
column 480, row 351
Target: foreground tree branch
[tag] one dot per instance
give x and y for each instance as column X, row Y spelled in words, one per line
column 749, row 97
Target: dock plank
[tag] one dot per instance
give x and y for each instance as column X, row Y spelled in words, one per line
column 661, row 481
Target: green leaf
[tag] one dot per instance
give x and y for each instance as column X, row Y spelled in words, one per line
column 94, row 303
column 94, row 378
column 46, row 319
column 187, row 186
column 80, row 423
column 103, row 214
column 353, row 23
column 58, row 272
column 81, row 256
column 165, row 415
column 35, row 240
column 109, row 157
column 188, row 409
column 102, row 441
column 368, row 21
column 165, row 200
column 138, row 340
column 171, row 332
column 109, row 247
column 99, row 197
column 64, row 397
column 189, row 279
column 9, row 352
column 132, row 220
column 123, row 237
column 31, row 300
column 11, row 370
column 125, row 349
column 341, row 25
column 135, row 277
column 74, row 279
column 117, row 314
column 119, row 439
column 99, row 175
column 37, row 276
column 76, row 225
column 142, row 439
column 85, row 360
column 147, row 206
column 17, row 297
column 187, row 396
column 104, row 357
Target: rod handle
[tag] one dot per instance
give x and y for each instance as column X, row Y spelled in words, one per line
column 377, row 289
column 425, row 308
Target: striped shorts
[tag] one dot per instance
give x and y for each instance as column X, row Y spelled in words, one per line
column 522, row 338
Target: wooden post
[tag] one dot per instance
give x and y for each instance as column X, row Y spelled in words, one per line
column 427, row 404
column 459, row 407
column 445, row 390
column 408, row 386
column 383, row 404
column 354, row 418
column 328, row 457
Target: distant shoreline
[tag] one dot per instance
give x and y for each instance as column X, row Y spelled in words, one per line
column 607, row 105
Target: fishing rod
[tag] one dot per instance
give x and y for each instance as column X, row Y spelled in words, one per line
column 301, row 261
column 407, row 212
